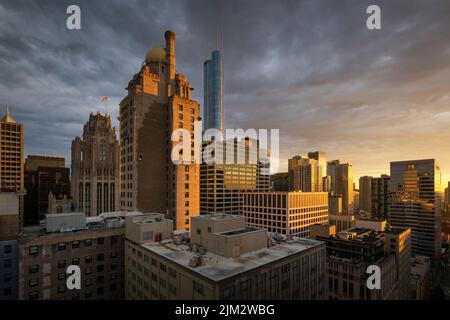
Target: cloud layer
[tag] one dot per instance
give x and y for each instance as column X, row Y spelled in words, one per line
column 310, row 68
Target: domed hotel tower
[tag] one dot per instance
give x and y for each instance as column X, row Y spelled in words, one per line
column 158, row 102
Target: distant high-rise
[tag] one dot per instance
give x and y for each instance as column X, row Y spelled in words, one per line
column 320, row 156
column 305, row 174
column 158, row 102
column 342, row 183
column 222, row 185
column 214, row 92
column 380, row 196
column 415, row 188
column 365, row 194
column 95, row 168
column 44, row 176
column 11, row 154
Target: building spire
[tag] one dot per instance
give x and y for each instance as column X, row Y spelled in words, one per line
column 217, row 37
column 8, row 117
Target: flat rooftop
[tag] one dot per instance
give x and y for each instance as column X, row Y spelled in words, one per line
column 217, row 268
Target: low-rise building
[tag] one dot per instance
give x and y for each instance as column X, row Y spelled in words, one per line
column 286, row 213
column 351, row 252
column 95, row 244
column 9, row 229
column 223, row 259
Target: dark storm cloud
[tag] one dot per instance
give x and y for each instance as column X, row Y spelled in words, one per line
column 310, row 68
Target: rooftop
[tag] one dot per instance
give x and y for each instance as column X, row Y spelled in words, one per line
column 217, row 268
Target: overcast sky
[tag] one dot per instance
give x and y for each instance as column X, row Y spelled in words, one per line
column 310, row 68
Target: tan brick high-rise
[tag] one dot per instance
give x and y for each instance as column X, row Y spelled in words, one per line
column 158, row 102
column 11, row 154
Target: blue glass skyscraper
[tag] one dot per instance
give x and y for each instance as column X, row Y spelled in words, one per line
column 213, row 92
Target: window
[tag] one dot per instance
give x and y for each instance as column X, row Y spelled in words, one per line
column 100, row 257
column 180, row 116
column 87, row 243
column 7, row 292
column 192, row 111
column 113, row 276
column 7, row 249
column 172, row 289
column 33, row 268
column 33, row 295
column 198, row 287
column 75, row 244
column 7, row 277
column 33, row 250
column 34, row 282
column 154, row 262
column 88, row 259
column 180, row 107
column 88, row 282
column 100, row 291
column 100, row 268
column 61, row 246
column 61, row 264
column 113, row 265
column 76, row 261
column 61, row 276
column 186, row 185
column 100, row 241
column 163, row 267
column 88, row 270
column 100, row 279
column 172, row 273
column 61, row 288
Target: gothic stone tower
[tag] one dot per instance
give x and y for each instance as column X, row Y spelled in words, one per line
column 95, row 168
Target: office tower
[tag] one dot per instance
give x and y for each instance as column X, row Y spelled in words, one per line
column 380, row 196
column 286, row 213
column 226, row 260
column 416, row 203
column 421, row 276
column 365, row 194
column 11, row 154
column 342, row 183
column 47, row 182
column 223, row 184
column 336, row 215
column 95, row 167
column 158, row 102
column 280, row 181
column 320, row 156
column 350, row 252
column 95, row 244
column 326, row 184
column 305, row 174
column 213, row 92
column 9, row 230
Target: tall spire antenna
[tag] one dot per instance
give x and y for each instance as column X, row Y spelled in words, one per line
column 217, row 37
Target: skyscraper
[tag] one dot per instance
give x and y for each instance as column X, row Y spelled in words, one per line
column 415, row 203
column 95, row 168
column 44, row 176
column 380, row 196
column 158, row 102
column 213, row 92
column 342, row 183
column 305, row 174
column 11, row 154
column 222, row 185
column 365, row 194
